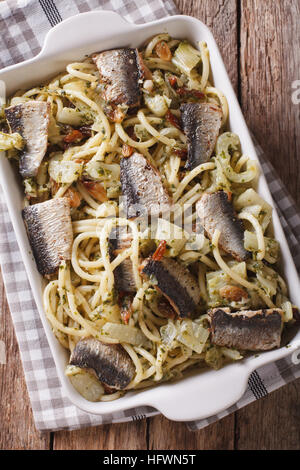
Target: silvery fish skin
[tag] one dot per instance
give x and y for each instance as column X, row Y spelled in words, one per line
column 111, row 363
column 31, row 120
column 175, row 282
column 49, row 229
column 120, row 239
column 247, row 330
column 201, row 123
column 142, row 188
column 120, row 73
column 215, row 211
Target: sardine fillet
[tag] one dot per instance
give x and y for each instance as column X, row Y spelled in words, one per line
column 111, row 362
column 120, row 74
column 142, row 188
column 201, row 123
column 175, row 282
column 216, row 212
column 246, row 330
column 49, row 229
column 31, row 121
column 124, row 277
column 119, row 240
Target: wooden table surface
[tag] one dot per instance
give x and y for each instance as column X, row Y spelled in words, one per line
column 259, row 41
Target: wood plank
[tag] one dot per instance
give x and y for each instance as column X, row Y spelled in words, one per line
column 17, row 430
column 168, row 435
column 125, row 436
column 271, row 422
column 270, row 63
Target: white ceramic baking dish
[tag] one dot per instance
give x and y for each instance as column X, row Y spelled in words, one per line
column 202, row 393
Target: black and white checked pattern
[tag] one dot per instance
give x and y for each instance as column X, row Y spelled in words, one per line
column 23, row 26
column 25, row 23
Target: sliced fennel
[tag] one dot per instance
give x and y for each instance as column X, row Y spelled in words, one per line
column 251, row 198
column 158, row 104
column 214, row 357
column 64, row 171
column 124, row 333
column 288, row 311
column 11, row 141
column 272, row 246
column 187, row 332
column 175, row 236
column 193, row 335
column 226, row 142
column 85, row 382
column 70, row 116
column 218, row 279
column 99, row 170
column 186, row 57
column 232, row 354
column 230, row 142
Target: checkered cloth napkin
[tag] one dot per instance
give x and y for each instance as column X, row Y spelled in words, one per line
column 23, row 26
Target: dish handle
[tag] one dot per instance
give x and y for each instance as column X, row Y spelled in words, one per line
column 68, row 32
column 221, row 390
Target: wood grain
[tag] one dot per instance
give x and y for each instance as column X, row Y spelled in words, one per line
column 272, row 422
column 125, row 436
column 270, row 62
column 259, row 42
column 168, row 435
